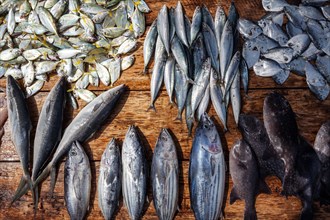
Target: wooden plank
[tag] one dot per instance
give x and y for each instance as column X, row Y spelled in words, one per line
column 133, row 111
column 272, row 206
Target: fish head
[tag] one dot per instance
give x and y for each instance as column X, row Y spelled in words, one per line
column 241, row 151
column 111, row 153
column 132, row 140
column 12, row 87
column 249, row 126
column 276, row 103
column 210, row 139
column 76, row 153
column 168, row 150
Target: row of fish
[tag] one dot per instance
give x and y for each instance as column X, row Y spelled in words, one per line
column 86, row 41
column 50, row 145
column 275, row 148
column 198, row 61
column 303, row 48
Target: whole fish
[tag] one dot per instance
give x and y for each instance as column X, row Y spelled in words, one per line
column 210, row 46
column 282, row 129
column 243, row 69
column 274, row 5
column 180, row 56
column 77, row 181
column 248, row 29
column 49, row 128
column 323, row 65
column 195, row 24
column 206, row 171
column 316, row 82
column 235, row 97
column 280, row 54
column 255, row 134
column 20, row 128
column 181, row 85
column 204, row 104
column 109, row 183
column 163, row 27
column 322, row 148
column 247, row 183
column 231, row 71
column 219, row 23
column 134, row 179
column 149, row 44
column 165, row 176
column 169, row 77
column 227, row 46
column 47, row 20
column 180, row 29
column 93, row 114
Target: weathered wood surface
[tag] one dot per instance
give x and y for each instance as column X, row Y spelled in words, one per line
column 310, row 112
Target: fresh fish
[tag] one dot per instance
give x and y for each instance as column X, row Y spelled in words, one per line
column 114, row 70
column 134, row 176
column 248, row 29
column 196, row 24
column 318, row 36
column 210, row 46
column 255, row 134
column 9, row 54
column 281, row 77
column 232, row 71
column 322, row 148
column 207, row 171
column 109, row 183
column 201, row 82
column 203, row 105
column 149, row 44
column 311, row 12
column 247, row 183
column 165, row 176
column 188, row 112
column 217, row 98
column 316, row 82
column 45, row 66
column 235, row 97
column 11, row 20
column 274, row 5
column 87, row 24
column 276, row 17
column 199, row 53
column 295, row 16
column 227, row 47
column 297, row 66
column 187, row 25
column 281, row 54
column 138, row 22
column 326, row 11
column 77, row 181
column 299, row 43
column 281, row 126
column 243, row 69
column 46, row 19
column 68, row 53
column 179, row 24
column 157, row 78
column 142, row 6
column 84, row 94
column 14, row 72
column 273, row 31
column 34, row 88
column 127, row 62
column 179, row 54
column 181, row 85
column 58, row 9
column 29, row 73
column 250, row 53
column 219, row 24
column 266, row 68
column 121, row 15
column 163, row 27
column 31, row 54
column 169, row 72
column 293, row 30
column 129, row 45
column 323, row 65
column 207, row 18
column 171, row 18
column 20, row 128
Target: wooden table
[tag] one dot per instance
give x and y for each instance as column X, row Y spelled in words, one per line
column 310, row 112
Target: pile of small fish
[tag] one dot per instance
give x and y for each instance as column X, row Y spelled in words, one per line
column 49, row 143
column 275, row 148
column 197, row 61
column 304, row 48
column 86, row 41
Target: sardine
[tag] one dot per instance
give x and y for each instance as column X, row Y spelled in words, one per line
column 179, row 24
column 165, row 176
column 77, row 181
column 134, row 179
column 196, row 24
column 163, row 27
column 227, row 47
column 109, row 183
column 235, row 97
column 169, row 77
column 206, row 171
column 210, row 46
column 149, row 44
column 181, row 85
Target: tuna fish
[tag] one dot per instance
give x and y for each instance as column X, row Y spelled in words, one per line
column 206, row 171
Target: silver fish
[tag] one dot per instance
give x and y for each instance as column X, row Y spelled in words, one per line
column 280, row 54
column 138, row 22
column 318, row 36
column 281, row 77
column 179, row 54
column 180, row 89
column 235, row 97
column 206, row 171
column 299, row 43
column 47, row 20
column 274, row 31
column 203, row 105
column 77, row 181
column 169, row 77
column 323, row 65
column 29, row 73
column 274, row 5
column 293, row 30
column 219, row 24
column 134, row 179
column 326, row 11
column 11, row 23
column 297, row 66
column 199, row 53
column 163, row 27
column 109, row 183
column 266, row 67
column 218, row 99
column 227, row 46
column 149, row 44
column 295, row 16
column 58, row 9
column 231, row 71
column 243, row 69
column 188, row 112
column 316, row 82
column 165, row 176
column 250, row 53
column 210, row 45
column 248, row 28
column 311, row 12
column 195, row 24
column 207, row 18
column 179, row 24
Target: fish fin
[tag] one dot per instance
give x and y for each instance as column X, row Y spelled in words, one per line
column 250, row 214
column 36, row 200
column 52, row 181
column 172, row 104
column 21, row 186
column 263, row 187
column 152, row 106
column 233, row 196
column 178, row 117
column 288, row 184
column 76, row 185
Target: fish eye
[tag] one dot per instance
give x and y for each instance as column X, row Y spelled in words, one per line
column 206, row 126
column 164, row 138
column 117, row 92
column 73, row 153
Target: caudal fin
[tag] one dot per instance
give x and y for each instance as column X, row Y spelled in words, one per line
column 52, row 181
column 288, row 188
column 250, row 214
column 152, row 106
column 17, row 195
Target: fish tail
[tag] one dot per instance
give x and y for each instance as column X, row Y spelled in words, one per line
column 250, row 214
column 17, row 195
column 152, row 107
column 52, row 181
column 288, row 184
column 36, row 200
column 178, row 117
column 145, row 70
column 172, row 104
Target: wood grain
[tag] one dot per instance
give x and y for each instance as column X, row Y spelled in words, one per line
column 310, row 114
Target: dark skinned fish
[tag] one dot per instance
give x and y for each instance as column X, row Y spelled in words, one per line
column 3, row 115
column 134, row 167
column 207, row 18
column 20, row 127
column 244, row 71
column 165, row 176
column 247, row 183
column 282, row 129
column 322, row 148
column 93, row 115
column 109, row 183
column 49, row 128
column 255, row 134
column 206, row 171
column 77, row 181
